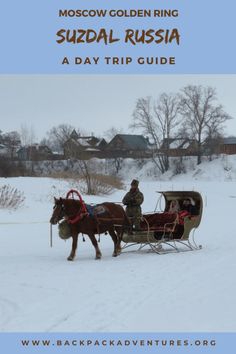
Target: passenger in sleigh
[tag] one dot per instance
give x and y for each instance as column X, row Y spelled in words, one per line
column 171, row 221
column 181, row 210
column 188, row 209
column 174, row 206
column 190, row 206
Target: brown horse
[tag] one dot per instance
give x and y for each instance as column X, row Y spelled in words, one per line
column 112, row 219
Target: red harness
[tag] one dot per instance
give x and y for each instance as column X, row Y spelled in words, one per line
column 81, row 213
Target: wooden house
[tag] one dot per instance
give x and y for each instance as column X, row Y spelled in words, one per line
column 83, row 147
column 179, row 147
column 228, row 146
column 35, row 152
column 128, row 145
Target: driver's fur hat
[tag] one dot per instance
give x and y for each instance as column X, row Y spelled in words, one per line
column 135, row 183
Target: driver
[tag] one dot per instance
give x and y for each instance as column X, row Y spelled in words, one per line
column 133, row 200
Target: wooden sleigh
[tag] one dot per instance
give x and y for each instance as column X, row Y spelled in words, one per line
column 164, row 232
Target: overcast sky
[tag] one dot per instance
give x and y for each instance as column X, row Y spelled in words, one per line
column 94, row 103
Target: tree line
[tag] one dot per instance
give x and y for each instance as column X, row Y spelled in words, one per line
column 193, row 113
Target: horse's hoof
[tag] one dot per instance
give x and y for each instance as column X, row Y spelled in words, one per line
column 116, row 253
column 98, row 257
column 70, row 258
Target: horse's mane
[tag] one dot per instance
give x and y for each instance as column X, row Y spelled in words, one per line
column 71, row 202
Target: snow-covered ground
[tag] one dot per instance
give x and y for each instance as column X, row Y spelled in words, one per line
column 190, row 291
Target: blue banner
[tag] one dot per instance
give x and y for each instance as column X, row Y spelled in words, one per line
column 114, row 37
column 25, row 343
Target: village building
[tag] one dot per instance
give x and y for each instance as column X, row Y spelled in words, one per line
column 35, row 152
column 4, row 151
column 84, row 147
column 228, row 146
column 179, row 147
column 128, row 145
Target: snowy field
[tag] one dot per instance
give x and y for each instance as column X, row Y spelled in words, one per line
column 41, row 291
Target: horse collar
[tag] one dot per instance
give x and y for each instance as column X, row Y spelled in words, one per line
column 79, row 216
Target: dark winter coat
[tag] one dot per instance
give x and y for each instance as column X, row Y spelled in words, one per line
column 133, row 199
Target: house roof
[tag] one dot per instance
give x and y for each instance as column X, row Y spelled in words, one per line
column 178, row 143
column 74, row 134
column 229, row 141
column 100, row 141
column 85, row 141
column 92, row 149
column 133, row 141
column 36, row 147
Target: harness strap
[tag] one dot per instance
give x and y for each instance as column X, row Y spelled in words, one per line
column 74, row 219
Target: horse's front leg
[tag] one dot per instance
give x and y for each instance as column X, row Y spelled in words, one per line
column 95, row 244
column 74, row 247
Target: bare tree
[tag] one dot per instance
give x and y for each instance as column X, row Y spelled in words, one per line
column 85, row 170
column 212, row 145
column 110, row 134
column 28, row 138
column 158, row 120
column 12, row 141
column 113, row 131
column 201, row 114
column 57, row 136
column 27, row 135
column 167, row 113
column 214, row 137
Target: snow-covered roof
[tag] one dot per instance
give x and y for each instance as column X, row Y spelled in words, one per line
column 92, row 149
column 180, row 144
column 185, row 145
column 83, row 142
column 100, row 141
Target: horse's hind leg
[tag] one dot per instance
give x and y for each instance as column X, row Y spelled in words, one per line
column 119, row 239
column 74, row 247
column 114, row 237
column 95, row 244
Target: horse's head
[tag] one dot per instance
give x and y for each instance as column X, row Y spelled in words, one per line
column 58, row 211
